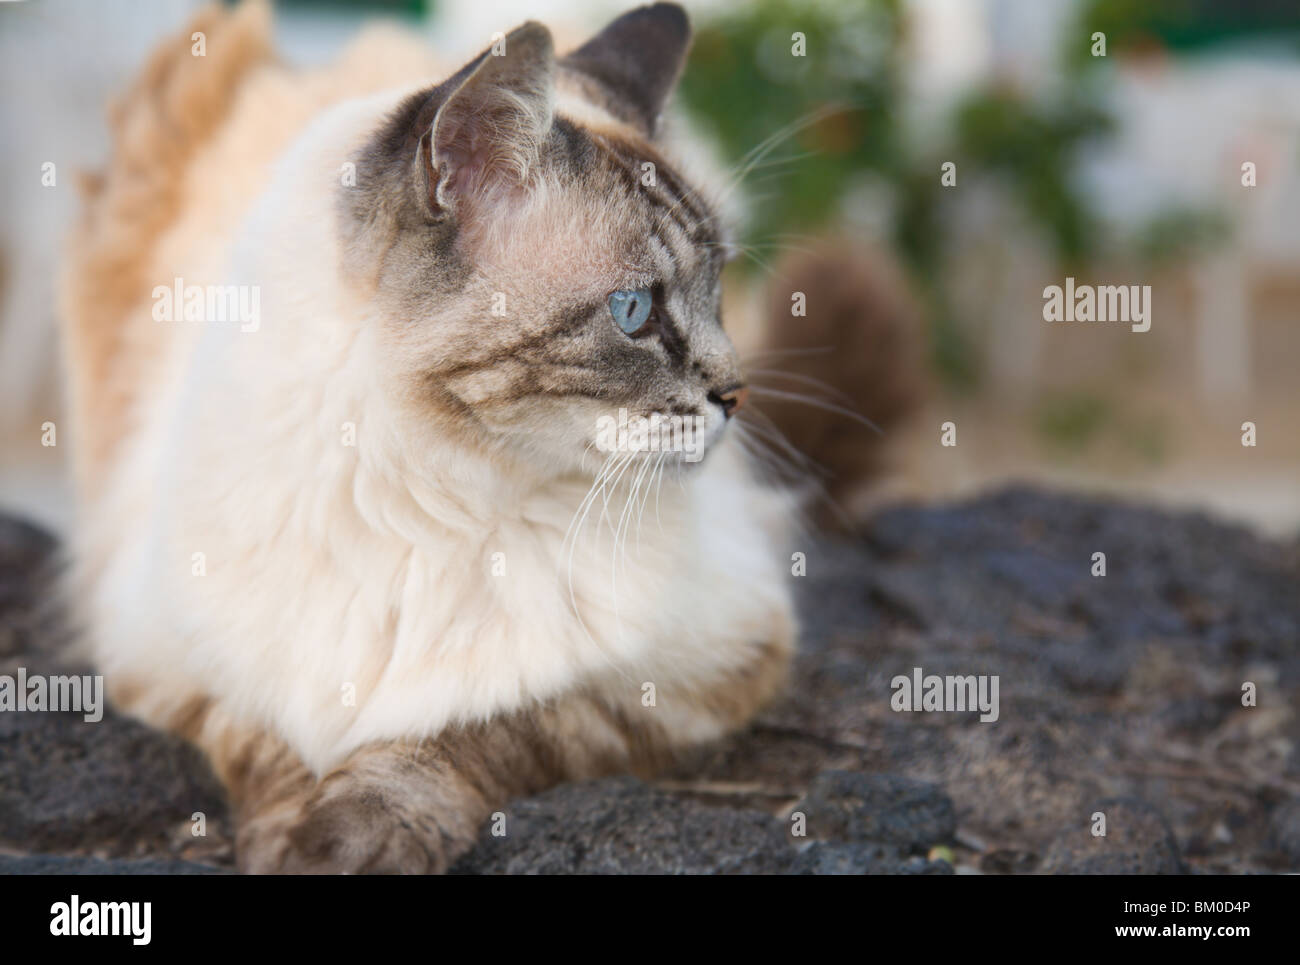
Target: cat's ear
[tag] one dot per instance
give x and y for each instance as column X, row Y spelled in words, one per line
column 636, row 61
column 485, row 138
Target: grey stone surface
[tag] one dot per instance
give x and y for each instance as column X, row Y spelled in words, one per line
column 111, row 787
column 855, row 807
column 622, row 826
column 54, row 864
column 1120, row 693
column 1285, row 831
column 1137, row 841
column 66, row 783
column 862, row 858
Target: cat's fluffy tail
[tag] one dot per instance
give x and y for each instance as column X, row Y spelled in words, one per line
column 854, row 357
column 158, row 126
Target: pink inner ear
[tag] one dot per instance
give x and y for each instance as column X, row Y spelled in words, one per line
column 458, row 163
column 483, row 155
column 486, row 136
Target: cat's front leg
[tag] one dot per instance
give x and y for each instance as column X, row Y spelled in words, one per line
column 389, row 809
column 413, row 807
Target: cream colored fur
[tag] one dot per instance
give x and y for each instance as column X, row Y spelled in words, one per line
column 331, row 568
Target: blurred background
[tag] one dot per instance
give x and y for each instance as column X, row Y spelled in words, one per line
column 1125, row 169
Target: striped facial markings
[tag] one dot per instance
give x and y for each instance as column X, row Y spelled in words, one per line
column 575, row 353
column 666, row 192
column 682, row 227
column 559, row 327
column 670, row 333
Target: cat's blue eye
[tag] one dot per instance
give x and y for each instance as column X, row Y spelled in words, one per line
column 631, row 309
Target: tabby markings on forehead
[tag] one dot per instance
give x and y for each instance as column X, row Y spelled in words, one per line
column 668, row 192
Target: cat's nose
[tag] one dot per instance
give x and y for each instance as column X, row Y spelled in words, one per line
column 730, row 399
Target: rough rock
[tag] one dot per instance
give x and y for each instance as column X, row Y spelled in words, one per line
column 1121, row 693
column 854, row 807
column 1137, row 841
column 111, row 787
column 858, row 858
column 53, row 864
column 114, row 784
column 1285, row 828
column 622, row 826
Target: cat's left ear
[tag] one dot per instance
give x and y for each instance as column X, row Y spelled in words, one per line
column 487, row 134
column 636, row 61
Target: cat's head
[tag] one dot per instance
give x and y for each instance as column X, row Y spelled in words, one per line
column 540, row 271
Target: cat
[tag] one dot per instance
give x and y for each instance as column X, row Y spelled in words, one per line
column 365, row 552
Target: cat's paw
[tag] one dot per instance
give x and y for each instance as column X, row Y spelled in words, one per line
column 343, row 827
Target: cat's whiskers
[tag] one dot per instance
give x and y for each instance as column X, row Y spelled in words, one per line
column 649, row 485
column 765, row 265
column 646, row 466
column 782, row 472
column 797, row 377
column 645, row 498
column 610, row 490
column 619, row 553
column 750, row 161
column 760, row 449
column 779, row 247
column 790, row 462
column 591, row 490
column 776, row 354
column 817, row 403
column 753, row 159
column 768, row 431
column 756, row 154
column 582, row 462
column 612, row 464
column 575, row 523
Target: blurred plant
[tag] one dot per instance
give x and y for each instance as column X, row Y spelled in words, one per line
column 813, row 126
column 1071, row 422
column 805, row 131
column 814, row 122
column 1033, row 146
column 836, row 114
column 1178, row 233
column 1183, row 24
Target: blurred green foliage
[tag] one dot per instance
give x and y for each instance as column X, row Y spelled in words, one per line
column 837, row 104
column 1071, row 422
column 1033, row 146
column 817, row 126
column 1187, row 25
column 842, row 107
column 1176, row 233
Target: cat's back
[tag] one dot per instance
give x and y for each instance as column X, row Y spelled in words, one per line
column 194, row 140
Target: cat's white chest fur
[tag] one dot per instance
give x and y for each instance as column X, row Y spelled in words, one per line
column 302, row 604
